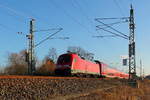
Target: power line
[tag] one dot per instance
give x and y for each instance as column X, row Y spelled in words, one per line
column 111, row 24
column 111, row 28
column 6, row 27
column 71, row 17
column 20, row 14
column 105, row 18
column 48, row 37
column 119, row 7
column 52, row 29
column 16, row 12
column 103, row 27
column 112, row 33
column 42, row 20
column 63, row 38
column 102, row 36
column 82, row 11
column 123, row 5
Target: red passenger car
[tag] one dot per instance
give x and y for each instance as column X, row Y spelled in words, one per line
column 70, row 63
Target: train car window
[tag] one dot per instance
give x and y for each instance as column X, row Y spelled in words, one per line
column 64, row 59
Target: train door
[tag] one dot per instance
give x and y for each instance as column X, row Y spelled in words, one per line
column 100, row 67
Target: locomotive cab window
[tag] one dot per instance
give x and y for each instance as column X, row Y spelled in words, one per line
column 64, row 59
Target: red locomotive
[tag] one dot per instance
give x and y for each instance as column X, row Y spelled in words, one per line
column 72, row 64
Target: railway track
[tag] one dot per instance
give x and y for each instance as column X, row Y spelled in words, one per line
column 41, row 77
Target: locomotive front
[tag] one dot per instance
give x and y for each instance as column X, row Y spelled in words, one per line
column 63, row 66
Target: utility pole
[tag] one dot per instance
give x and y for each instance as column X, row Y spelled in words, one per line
column 30, row 51
column 131, row 38
column 143, row 73
column 140, row 68
column 132, row 61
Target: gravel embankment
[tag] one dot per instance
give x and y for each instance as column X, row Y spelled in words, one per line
column 41, row 88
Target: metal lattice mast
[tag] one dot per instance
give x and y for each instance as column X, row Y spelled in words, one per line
column 132, row 61
column 31, row 55
column 141, row 68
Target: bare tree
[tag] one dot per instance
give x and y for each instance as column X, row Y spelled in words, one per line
column 16, row 63
column 17, row 58
column 52, row 55
column 81, row 52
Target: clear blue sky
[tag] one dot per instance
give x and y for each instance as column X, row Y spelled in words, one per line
column 76, row 17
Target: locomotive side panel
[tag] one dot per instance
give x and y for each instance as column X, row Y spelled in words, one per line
column 83, row 66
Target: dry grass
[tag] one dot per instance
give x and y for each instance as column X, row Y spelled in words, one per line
column 121, row 92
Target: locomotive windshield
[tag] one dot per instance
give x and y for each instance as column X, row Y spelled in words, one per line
column 64, row 59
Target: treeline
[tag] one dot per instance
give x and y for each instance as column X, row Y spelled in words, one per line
column 17, row 65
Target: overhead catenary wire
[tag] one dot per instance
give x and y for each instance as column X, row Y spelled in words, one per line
column 16, row 12
column 112, row 28
column 112, row 33
column 23, row 15
column 41, row 19
column 82, row 11
column 111, row 24
column 48, row 37
column 63, row 38
column 123, row 4
column 6, row 27
column 102, row 36
column 52, row 29
column 105, row 18
column 70, row 16
column 119, row 7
